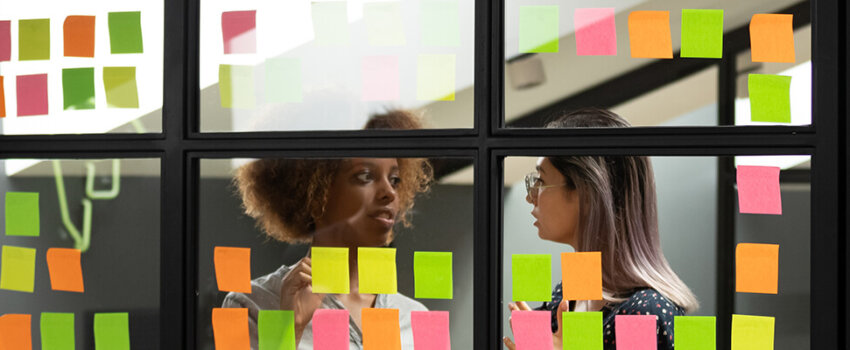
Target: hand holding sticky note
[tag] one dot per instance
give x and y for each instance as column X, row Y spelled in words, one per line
column 757, row 268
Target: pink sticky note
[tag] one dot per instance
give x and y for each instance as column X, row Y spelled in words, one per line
column 330, row 329
column 380, row 78
column 430, row 330
column 758, row 190
column 636, row 332
column 596, row 33
column 5, row 40
column 239, row 31
column 532, row 329
column 32, row 94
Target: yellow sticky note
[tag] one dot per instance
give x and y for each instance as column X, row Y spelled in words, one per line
column 330, row 270
column 236, row 86
column 377, row 270
column 752, row 332
column 17, row 269
column 435, row 77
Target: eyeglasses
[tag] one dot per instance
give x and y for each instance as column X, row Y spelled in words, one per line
column 533, row 186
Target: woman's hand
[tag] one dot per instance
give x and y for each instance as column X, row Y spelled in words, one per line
column 296, row 294
column 556, row 337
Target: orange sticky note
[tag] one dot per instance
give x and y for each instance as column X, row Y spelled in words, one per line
column 16, row 331
column 757, row 268
column 649, row 34
column 79, row 36
column 230, row 328
column 772, row 38
column 380, row 329
column 66, row 273
column 233, row 269
column 581, row 274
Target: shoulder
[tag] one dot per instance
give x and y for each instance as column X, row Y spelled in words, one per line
column 649, row 302
column 404, row 303
column 265, row 292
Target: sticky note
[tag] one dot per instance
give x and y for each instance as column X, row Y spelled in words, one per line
column 112, row 331
column 702, row 33
column 78, row 32
column 432, row 275
column 757, row 268
column 125, row 32
column 233, row 269
column 66, row 272
column 381, row 329
column 330, row 270
column 538, row 28
column 283, row 80
column 596, row 32
column 430, row 330
column 330, row 327
column 32, row 94
column 236, row 86
column 770, row 98
column 758, row 190
column 772, row 38
column 120, row 86
column 57, row 331
column 384, row 24
column 330, row 23
column 380, row 78
column 230, row 328
column 78, row 88
column 276, row 329
column 5, row 40
column 581, row 275
column 239, row 31
column 695, row 332
column 532, row 329
column 636, row 332
column 17, row 271
column 435, row 77
column 439, row 23
column 16, row 332
column 582, row 330
column 649, row 34
column 377, row 270
column 532, row 277
column 2, row 98
column 22, row 214
column 752, row 332
column 34, row 39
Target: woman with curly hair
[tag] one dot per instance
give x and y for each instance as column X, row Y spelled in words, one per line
column 352, row 202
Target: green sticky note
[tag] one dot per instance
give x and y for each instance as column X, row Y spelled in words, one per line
column 582, row 330
column 236, row 86
column 376, row 270
column 532, row 277
column 34, row 39
column 384, row 23
column 112, row 331
column 330, row 22
column 432, row 274
column 120, row 86
column 78, row 88
column 435, row 77
column 439, row 24
column 17, row 271
column 702, row 33
column 125, row 32
column 283, row 80
column 538, row 28
column 57, row 331
column 22, row 215
column 770, row 98
column 695, row 332
column 330, row 270
column 752, row 332
column 276, row 330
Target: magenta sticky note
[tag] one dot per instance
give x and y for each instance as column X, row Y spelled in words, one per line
column 5, row 40
column 532, row 329
column 758, row 190
column 430, row 330
column 32, row 94
column 330, row 329
column 636, row 332
column 239, row 31
column 596, row 32
column 380, row 78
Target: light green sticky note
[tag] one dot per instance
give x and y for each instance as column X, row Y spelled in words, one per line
column 432, row 275
column 34, row 39
column 120, row 86
column 435, row 77
column 17, row 271
column 702, row 33
column 330, row 270
column 283, row 80
column 112, row 331
column 439, row 22
column 384, row 23
column 752, row 332
column 330, row 23
column 78, row 88
column 236, row 86
column 125, row 32
column 538, row 28
column 582, row 330
column 276, row 330
column 22, row 214
column 695, row 332
column 770, row 98
column 57, row 331
column 376, row 270
column 532, row 277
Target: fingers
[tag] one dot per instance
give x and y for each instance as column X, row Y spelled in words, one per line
column 512, row 307
column 523, row 306
column 562, row 307
column 508, row 343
